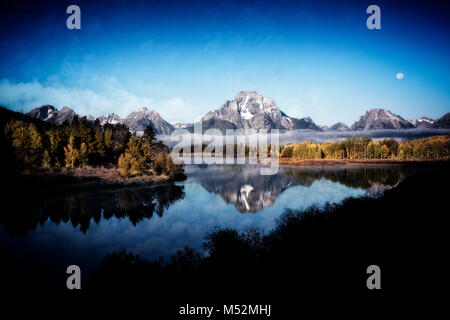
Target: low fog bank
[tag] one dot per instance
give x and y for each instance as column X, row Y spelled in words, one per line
column 295, row 136
column 333, row 136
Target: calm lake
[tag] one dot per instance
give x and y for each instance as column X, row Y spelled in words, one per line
column 57, row 230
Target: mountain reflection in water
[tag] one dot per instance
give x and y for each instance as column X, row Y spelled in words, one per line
column 57, row 229
column 249, row 191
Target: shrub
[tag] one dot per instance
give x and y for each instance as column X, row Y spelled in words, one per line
column 287, row 151
column 130, row 165
column 163, row 164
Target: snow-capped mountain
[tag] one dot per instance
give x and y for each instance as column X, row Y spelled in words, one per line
column 110, row 118
column 250, row 110
column 179, row 125
column 139, row 119
column 136, row 121
column 381, row 119
column 50, row 114
column 339, row 127
column 46, row 113
column 423, row 122
column 65, row 114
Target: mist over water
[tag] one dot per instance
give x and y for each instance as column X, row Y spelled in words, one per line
column 295, row 136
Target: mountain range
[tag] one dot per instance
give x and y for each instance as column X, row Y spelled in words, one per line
column 248, row 110
column 136, row 121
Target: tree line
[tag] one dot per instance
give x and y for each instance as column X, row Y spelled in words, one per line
column 351, row 148
column 366, row 148
column 87, row 143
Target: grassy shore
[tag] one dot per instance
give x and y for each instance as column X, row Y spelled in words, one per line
column 81, row 179
column 332, row 162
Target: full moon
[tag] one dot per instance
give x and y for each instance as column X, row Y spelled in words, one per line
column 400, row 76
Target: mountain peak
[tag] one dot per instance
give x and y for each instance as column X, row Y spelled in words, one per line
column 339, row 126
column 50, row 114
column 443, row 122
column 138, row 120
column 246, row 93
column 381, row 119
column 251, row 110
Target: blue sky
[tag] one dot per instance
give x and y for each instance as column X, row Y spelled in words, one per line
column 184, row 58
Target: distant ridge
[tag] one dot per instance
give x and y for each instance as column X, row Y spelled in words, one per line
column 339, row 127
column 380, row 119
column 136, row 121
column 248, row 110
column 50, row 114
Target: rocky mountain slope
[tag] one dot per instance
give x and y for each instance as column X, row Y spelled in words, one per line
column 423, row 122
column 250, row 110
column 50, row 114
column 111, row 118
column 339, row 127
column 139, row 119
column 380, row 119
column 443, row 122
column 136, row 121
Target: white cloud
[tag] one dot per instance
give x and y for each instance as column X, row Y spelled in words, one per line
column 400, row 76
column 110, row 96
column 177, row 110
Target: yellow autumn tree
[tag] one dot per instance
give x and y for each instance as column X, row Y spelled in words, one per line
column 72, row 154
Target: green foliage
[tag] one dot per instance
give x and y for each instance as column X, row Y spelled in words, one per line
column 307, row 150
column 84, row 154
column 72, row 156
column 287, row 151
column 392, row 146
column 84, row 143
column 149, row 135
column 26, row 142
column 108, row 138
column 373, row 150
column 139, row 158
column 46, row 160
column 99, row 145
column 132, row 161
column 129, row 165
column 364, row 148
column 384, row 151
column 120, row 138
column 163, row 164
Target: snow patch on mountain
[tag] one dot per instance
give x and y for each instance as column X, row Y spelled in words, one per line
column 250, row 110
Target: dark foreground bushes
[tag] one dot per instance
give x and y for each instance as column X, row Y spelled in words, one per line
column 317, row 253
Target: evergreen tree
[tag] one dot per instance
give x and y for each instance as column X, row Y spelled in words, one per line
column 132, row 161
column 108, row 142
column 72, row 154
column 84, row 155
column 149, row 134
column 46, row 160
column 121, row 135
column 99, row 146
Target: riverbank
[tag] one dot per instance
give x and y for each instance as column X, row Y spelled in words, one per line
column 333, row 162
column 81, row 179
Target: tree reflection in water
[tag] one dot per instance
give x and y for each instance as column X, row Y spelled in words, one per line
column 249, row 191
column 80, row 208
